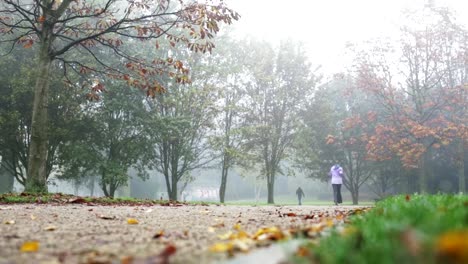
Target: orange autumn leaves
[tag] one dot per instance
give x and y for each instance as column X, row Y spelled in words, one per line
column 452, row 247
column 239, row 240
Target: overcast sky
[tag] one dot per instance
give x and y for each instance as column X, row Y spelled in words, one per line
column 326, row 25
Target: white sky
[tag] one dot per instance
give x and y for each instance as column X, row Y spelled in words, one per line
column 326, row 25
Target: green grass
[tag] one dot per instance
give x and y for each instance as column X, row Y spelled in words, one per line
column 401, row 229
column 291, row 201
column 63, row 198
column 12, row 198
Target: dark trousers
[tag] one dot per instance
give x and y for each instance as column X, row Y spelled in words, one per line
column 337, row 193
column 300, row 199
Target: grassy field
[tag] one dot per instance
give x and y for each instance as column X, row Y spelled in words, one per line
column 291, row 200
column 11, row 198
column 401, row 229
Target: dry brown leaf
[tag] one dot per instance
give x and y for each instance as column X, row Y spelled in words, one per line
column 159, row 234
column 218, row 225
column 290, row 215
column 50, row 228
column 107, row 217
column 126, row 260
column 303, row 252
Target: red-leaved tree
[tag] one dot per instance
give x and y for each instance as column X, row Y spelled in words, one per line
column 424, row 94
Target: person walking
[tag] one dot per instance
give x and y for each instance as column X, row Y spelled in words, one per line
column 336, row 174
column 300, row 194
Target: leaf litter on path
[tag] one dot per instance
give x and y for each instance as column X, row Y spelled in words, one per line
column 180, row 232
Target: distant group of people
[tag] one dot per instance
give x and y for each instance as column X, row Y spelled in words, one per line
column 336, row 176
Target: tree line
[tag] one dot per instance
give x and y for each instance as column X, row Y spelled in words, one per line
column 396, row 121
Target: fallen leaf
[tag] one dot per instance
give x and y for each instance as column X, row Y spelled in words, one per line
column 167, row 252
column 50, row 228
column 290, row 214
column 218, row 225
column 222, row 247
column 132, row 221
column 451, row 247
column 9, row 222
column 77, row 200
column 30, row 246
column 33, row 217
column 126, row 260
column 303, row 252
column 225, row 236
column 237, row 227
column 107, row 217
column 158, row 234
column 243, row 245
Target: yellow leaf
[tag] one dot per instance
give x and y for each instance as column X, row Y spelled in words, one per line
column 329, row 222
column 237, row 227
column 242, row 234
column 30, row 246
column 221, row 247
column 132, row 221
column 225, row 236
column 243, row 245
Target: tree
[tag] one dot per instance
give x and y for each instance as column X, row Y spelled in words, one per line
column 423, row 111
column 59, row 27
column 226, row 70
column 109, row 139
column 279, row 84
column 338, row 134
column 15, row 111
column 183, row 117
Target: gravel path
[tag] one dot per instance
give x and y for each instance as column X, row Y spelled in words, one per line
column 102, row 234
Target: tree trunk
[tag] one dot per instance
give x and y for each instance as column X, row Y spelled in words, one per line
column 422, row 175
column 91, row 186
column 6, row 180
column 38, row 149
column 461, row 167
column 224, row 174
column 355, row 196
column 271, row 188
column 104, row 190
column 112, row 189
column 173, row 193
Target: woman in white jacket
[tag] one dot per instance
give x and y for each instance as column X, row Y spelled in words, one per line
column 336, row 175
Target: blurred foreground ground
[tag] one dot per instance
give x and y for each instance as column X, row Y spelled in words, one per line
column 80, row 233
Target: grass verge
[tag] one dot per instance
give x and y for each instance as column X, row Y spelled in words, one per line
column 60, row 198
column 400, row 229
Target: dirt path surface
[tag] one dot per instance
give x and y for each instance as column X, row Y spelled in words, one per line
column 105, row 234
